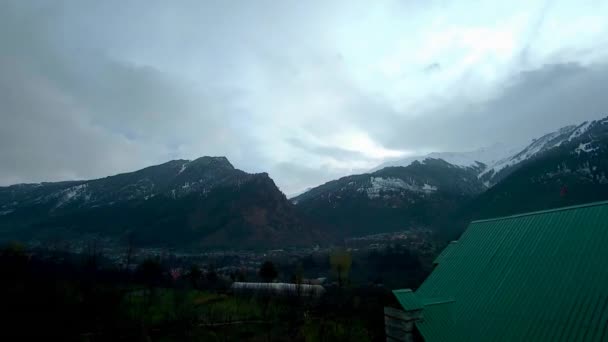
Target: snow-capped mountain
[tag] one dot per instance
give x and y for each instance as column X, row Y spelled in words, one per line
column 174, row 179
column 424, row 190
column 566, row 167
column 489, row 165
column 208, row 202
column 390, row 199
column 495, row 162
column 582, row 133
column 477, row 159
column 204, row 201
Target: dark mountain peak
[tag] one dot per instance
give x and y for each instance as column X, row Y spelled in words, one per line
column 174, row 179
column 263, row 175
column 263, row 178
column 198, row 202
column 204, row 173
column 437, row 162
column 220, row 162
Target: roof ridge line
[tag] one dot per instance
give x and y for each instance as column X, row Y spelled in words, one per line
column 440, row 301
column 531, row 213
column 403, row 290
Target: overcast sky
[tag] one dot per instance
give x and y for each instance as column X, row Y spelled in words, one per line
column 304, row 90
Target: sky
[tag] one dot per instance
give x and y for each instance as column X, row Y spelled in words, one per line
column 307, row 91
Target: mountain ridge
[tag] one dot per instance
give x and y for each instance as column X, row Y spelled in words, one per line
column 389, row 192
column 573, row 172
column 177, row 202
column 501, row 156
column 207, row 202
column 485, row 155
column 393, row 198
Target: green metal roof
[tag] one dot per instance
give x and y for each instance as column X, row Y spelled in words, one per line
column 407, row 299
column 437, row 321
column 540, row 276
column 447, row 251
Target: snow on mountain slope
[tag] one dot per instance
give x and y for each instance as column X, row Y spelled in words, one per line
column 580, row 130
column 175, row 179
column 491, row 161
column 487, row 155
column 537, row 146
column 543, row 144
column 180, row 203
column 379, row 185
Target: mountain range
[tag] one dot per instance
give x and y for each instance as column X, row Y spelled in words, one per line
column 208, row 203
column 447, row 190
column 204, row 202
column 486, row 156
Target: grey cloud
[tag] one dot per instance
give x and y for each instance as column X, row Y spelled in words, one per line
column 530, row 104
column 91, row 88
column 433, row 67
column 44, row 137
column 326, row 151
column 71, row 111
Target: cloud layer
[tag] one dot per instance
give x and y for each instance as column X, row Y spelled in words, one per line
column 305, row 91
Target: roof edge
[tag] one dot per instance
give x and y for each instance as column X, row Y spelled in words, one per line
column 402, row 290
column 531, row 213
column 439, row 301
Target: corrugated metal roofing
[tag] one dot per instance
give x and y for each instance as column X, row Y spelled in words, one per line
column 540, row 276
column 407, row 299
column 447, row 251
column 437, row 321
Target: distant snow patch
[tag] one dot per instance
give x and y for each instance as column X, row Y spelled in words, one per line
column 73, row 193
column 584, row 147
column 379, row 185
column 184, row 166
column 429, row 188
column 580, row 130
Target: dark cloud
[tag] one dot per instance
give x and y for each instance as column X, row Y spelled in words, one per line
column 72, row 111
column 529, row 104
column 44, row 136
